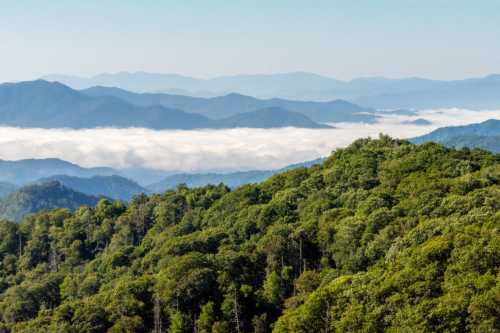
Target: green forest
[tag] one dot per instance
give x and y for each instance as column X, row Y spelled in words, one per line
column 384, row 236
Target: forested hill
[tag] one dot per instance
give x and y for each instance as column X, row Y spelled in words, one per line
column 47, row 195
column 384, row 236
column 114, row 187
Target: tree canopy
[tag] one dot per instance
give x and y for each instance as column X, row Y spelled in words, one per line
column 384, row 236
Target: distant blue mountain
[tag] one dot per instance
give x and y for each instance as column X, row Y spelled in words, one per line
column 477, row 93
column 233, row 104
column 485, row 135
column 377, row 92
column 233, row 179
column 48, row 105
column 6, row 188
column 118, row 184
column 272, row 117
column 114, row 187
column 26, row 171
column 298, row 85
column 418, row 122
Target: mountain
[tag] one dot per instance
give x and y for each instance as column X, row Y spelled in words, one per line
column 233, row 104
column 24, row 171
column 418, row 122
column 376, row 92
column 232, row 179
column 49, row 105
column 485, row 135
column 6, row 188
column 383, row 236
column 476, row 93
column 272, row 117
column 115, row 187
column 41, row 197
column 298, row 85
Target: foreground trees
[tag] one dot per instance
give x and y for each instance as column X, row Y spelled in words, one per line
column 385, row 236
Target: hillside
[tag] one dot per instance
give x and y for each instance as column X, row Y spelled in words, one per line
column 384, row 236
column 232, row 104
column 484, row 135
column 114, row 187
column 40, row 197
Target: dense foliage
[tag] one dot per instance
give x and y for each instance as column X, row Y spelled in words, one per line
column 384, row 236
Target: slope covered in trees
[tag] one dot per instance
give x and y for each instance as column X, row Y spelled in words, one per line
column 384, row 236
column 47, row 195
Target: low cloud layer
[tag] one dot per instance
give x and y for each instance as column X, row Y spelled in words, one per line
column 211, row 149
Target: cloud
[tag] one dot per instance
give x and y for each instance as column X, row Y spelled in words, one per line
column 198, row 150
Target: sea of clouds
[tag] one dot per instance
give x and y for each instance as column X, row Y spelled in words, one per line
column 222, row 150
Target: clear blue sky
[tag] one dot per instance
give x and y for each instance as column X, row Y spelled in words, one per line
column 342, row 39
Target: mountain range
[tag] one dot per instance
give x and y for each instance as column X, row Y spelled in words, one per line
column 114, row 187
column 25, row 171
column 485, row 135
column 376, row 92
column 232, row 104
column 6, row 188
column 21, row 172
column 120, row 184
column 52, row 104
column 232, row 179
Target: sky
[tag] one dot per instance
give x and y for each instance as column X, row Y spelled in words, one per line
column 342, row 39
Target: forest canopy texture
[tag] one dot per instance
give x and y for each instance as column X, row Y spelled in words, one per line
column 384, row 236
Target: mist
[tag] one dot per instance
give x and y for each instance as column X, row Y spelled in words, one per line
column 221, row 150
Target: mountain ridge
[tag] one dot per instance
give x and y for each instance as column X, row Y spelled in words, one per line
column 376, row 92
column 235, row 103
column 485, row 135
column 51, row 104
